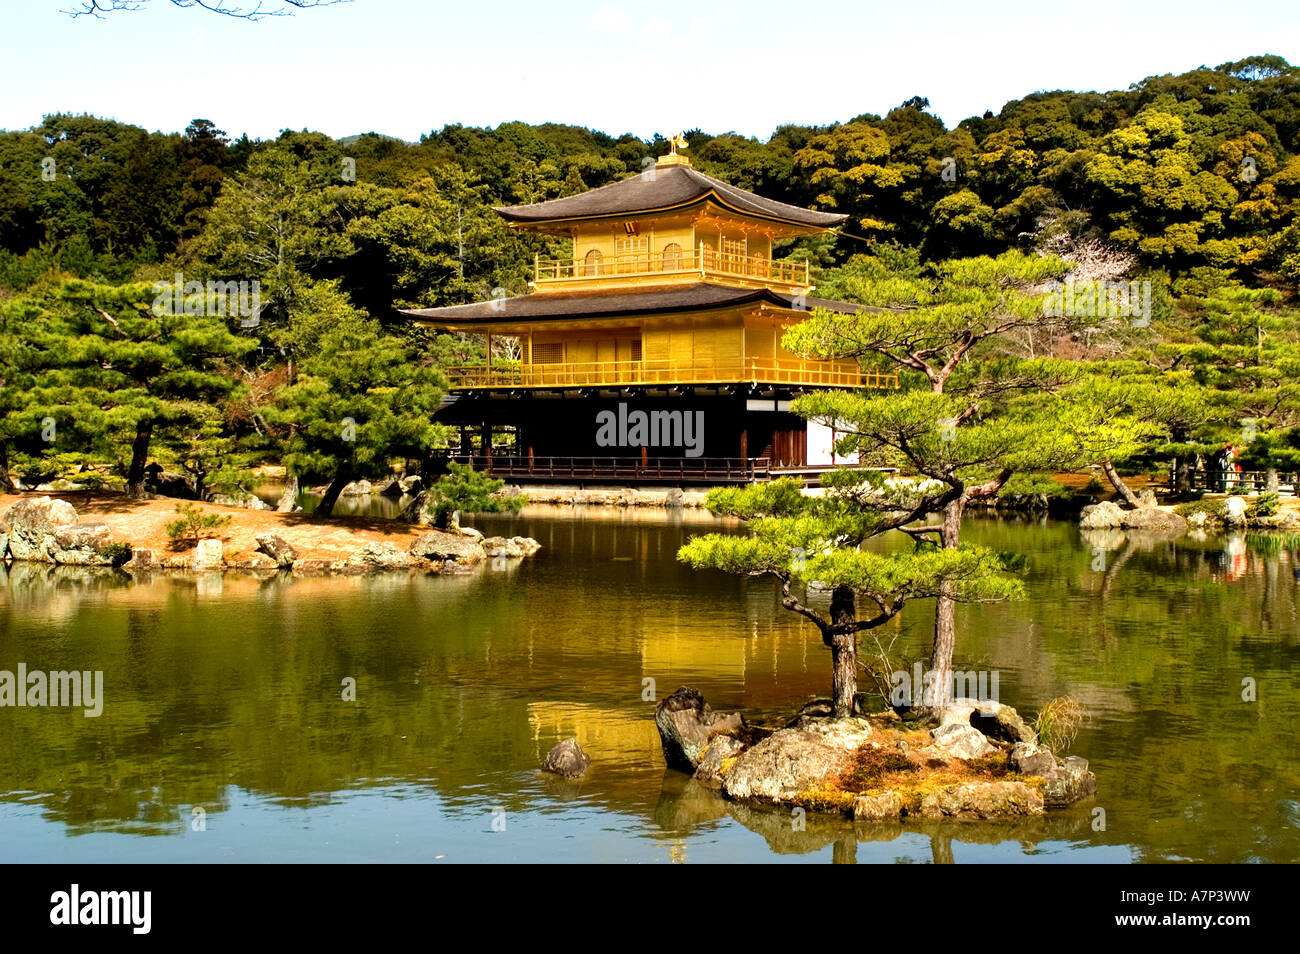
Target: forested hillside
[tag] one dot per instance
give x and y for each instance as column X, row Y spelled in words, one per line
column 1191, row 182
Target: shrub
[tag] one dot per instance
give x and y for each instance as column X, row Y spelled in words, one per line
column 1058, row 723
column 193, row 523
column 464, row 488
column 1094, row 487
column 117, row 553
column 1212, row 508
column 1266, row 504
column 1032, row 489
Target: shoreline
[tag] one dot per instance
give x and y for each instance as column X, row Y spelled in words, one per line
column 99, row 529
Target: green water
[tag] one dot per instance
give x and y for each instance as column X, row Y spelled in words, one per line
column 225, row 695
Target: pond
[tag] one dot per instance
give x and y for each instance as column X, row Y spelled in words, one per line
column 225, row 736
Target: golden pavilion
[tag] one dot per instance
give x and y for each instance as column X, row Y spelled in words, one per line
column 654, row 350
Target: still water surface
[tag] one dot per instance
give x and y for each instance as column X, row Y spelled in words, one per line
column 224, row 736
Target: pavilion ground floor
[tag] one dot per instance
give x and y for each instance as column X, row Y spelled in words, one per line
column 683, row 434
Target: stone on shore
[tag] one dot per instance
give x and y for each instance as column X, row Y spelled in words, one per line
column 32, row 521
column 513, row 548
column 566, row 759
column 277, row 549
column 1068, row 782
column 381, row 556
column 788, row 766
column 1101, row 516
column 1029, row 758
column 142, row 561
column 984, row 800
column 719, row 755
column 358, row 488
column 686, row 725
column 1152, row 518
column 208, row 555
column 993, row 719
column 44, row 530
column 447, row 548
column 1234, row 511
column 885, row 805
column 961, row 741
column 391, row 488
column 255, row 561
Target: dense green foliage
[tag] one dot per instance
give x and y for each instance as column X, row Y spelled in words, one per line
column 1187, row 182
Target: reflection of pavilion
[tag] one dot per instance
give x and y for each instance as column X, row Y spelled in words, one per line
column 626, row 736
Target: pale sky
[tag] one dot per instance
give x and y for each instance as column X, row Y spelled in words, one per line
column 405, row 67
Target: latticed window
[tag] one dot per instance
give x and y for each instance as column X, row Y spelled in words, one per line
column 591, row 265
column 632, row 253
column 672, row 257
column 551, row 352
column 733, row 254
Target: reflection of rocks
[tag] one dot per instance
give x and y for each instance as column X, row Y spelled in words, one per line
column 686, row 724
column 566, row 759
column 684, row 803
column 1110, row 538
column 789, row 831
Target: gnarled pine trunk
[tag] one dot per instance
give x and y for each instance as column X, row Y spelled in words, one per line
column 288, row 496
column 842, row 637
column 6, row 482
column 139, row 458
column 326, row 506
column 1117, row 482
column 938, row 681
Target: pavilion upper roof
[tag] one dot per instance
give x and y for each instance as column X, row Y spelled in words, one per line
column 665, row 188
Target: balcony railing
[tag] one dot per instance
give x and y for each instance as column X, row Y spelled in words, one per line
column 703, row 261
column 599, row 373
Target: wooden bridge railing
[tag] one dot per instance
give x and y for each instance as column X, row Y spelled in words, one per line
column 1243, row 482
column 697, row 469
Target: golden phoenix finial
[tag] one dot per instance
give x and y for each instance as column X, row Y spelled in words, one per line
column 677, row 142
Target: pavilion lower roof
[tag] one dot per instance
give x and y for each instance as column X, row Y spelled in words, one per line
column 617, row 302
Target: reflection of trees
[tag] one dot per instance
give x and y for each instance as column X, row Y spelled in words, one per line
column 465, row 681
column 684, row 805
